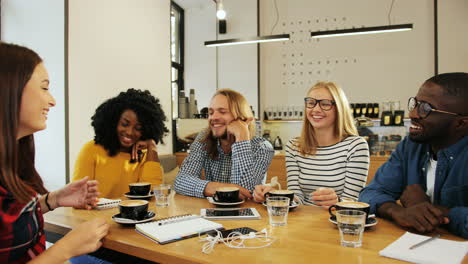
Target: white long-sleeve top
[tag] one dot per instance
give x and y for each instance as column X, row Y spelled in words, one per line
column 342, row 167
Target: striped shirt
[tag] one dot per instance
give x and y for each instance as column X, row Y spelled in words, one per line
column 245, row 165
column 342, row 167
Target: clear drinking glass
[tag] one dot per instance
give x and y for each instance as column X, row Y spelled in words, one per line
column 351, row 224
column 162, row 194
column 278, row 208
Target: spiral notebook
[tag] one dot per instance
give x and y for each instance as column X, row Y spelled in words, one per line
column 171, row 229
column 104, row 203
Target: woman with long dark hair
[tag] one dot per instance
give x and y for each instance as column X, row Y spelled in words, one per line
column 24, row 103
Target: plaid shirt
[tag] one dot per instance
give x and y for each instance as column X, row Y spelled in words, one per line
column 21, row 229
column 245, row 165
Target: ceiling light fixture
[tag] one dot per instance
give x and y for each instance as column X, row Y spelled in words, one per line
column 361, row 31
column 220, row 13
column 364, row 30
column 239, row 41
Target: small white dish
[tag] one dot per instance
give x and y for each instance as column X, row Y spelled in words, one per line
column 116, row 218
column 131, row 196
column 211, row 200
column 294, row 205
column 371, row 221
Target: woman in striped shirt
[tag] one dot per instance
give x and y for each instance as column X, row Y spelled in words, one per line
column 329, row 160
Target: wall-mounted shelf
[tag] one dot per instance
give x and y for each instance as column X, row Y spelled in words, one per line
column 283, row 121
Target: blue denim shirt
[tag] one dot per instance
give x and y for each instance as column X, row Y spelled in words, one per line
column 407, row 165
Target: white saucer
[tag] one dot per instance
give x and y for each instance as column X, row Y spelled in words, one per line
column 292, row 206
column 372, row 221
column 131, row 196
column 211, row 200
column 116, row 218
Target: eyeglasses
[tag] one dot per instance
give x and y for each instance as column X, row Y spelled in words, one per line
column 324, row 104
column 424, row 108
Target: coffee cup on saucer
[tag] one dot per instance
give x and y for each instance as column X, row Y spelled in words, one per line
column 226, row 195
column 139, row 188
column 281, row 193
column 359, row 206
column 133, row 209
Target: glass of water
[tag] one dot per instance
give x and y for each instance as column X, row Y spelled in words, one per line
column 351, row 224
column 278, row 208
column 162, row 193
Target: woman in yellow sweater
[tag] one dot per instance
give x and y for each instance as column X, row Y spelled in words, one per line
column 127, row 129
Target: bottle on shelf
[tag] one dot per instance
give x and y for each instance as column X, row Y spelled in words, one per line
column 387, row 115
column 398, row 118
column 363, row 110
column 370, row 110
column 376, row 110
column 357, row 111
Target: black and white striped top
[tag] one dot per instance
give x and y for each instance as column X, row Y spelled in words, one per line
column 342, row 167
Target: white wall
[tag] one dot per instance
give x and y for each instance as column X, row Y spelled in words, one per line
column 237, row 65
column 200, row 62
column 39, row 25
column 370, row 68
column 115, row 45
column 453, row 39
column 233, row 67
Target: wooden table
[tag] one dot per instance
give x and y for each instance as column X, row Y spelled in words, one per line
column 308, row 237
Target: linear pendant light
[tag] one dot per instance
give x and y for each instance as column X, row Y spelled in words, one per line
column 361, row 31
column 239, row 41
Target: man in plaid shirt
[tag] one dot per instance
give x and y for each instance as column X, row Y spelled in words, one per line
column 227, row 150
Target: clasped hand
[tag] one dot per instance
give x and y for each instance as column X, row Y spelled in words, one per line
column 418, row 212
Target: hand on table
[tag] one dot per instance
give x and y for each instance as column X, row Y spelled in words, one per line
column 259, row 192
column 324, row 197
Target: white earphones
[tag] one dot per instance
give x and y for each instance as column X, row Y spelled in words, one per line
column 236, row 240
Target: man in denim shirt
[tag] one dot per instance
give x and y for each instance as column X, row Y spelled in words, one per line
column 227, row 150
column 428, row 172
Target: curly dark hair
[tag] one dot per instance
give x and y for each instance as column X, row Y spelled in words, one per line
column 146, row 107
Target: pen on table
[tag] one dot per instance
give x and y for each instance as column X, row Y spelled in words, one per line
column 424, row 241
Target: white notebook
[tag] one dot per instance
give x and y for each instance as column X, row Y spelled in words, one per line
column 104, row 203
column 436, row 251
column 175, row 228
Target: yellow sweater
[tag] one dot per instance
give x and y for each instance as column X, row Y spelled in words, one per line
column 114, row 173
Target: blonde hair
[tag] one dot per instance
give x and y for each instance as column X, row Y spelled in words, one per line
column 240, row 110
column 344, row 123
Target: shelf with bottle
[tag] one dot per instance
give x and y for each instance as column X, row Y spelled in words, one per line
column 283, row 121
column 379, row 122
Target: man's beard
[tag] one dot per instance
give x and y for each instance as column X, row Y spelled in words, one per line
column 223, row 136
